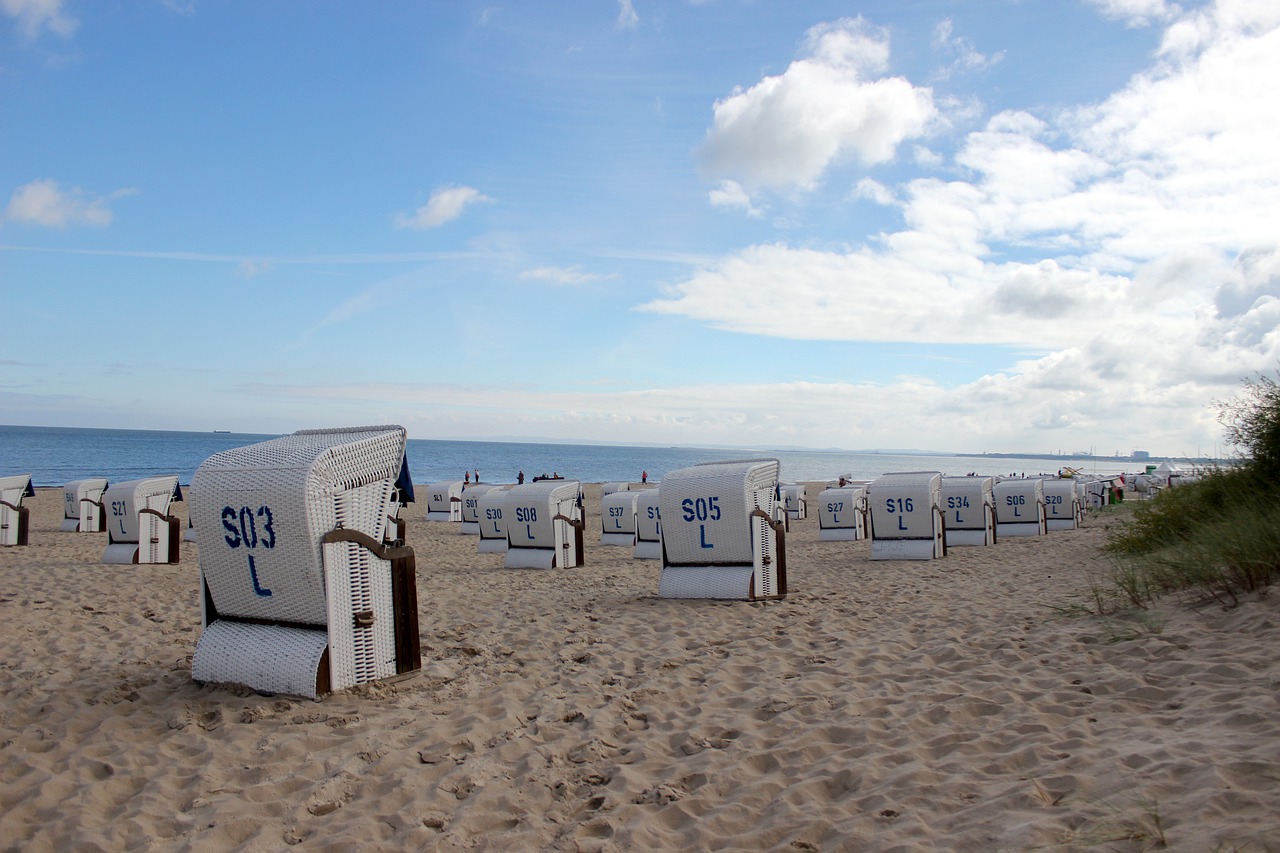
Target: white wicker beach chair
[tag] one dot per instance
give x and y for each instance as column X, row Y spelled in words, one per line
column 471, row 496
column 1062, row 504
column 720, row 539
column 842, row 513
column 82, row 508
column 906, row 516
column 607, row 489
column 300, row 595
column 795, row 500
column 545, row 525
column 444, row 501
column 1020, row 507
column 491, row 508
column 648, row 526
column 969, row 512
column 618, row 518
column 15, row 519
column 139, row 526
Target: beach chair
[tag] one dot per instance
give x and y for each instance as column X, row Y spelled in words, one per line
column 795, row 500
column 1062, row 504
column 300, row 595
column 444, row 501
column 618, row 518
column 544, row 525
column 1020, row 507
column 969, row 512
column 842, row 513
column 139, row 526
column 607, row 489
column 648, row 526
column 15, row 519
column 720, row 539
column 906, row 516
column 471, row 496
column 82, row 508
column 491, row 510
column 1097, row 493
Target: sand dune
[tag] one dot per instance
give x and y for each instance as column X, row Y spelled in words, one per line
column 948, row 705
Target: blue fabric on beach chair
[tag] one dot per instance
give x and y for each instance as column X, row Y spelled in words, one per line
column 906, row 516
column 300, row 593
column 139, row 526
column 15, row 519
column 719, row 536
column 968, row 506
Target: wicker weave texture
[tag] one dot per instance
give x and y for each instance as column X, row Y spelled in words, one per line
column 443, row 501
column 842, row 509
column 648, row 518
column 706, row 511
column 795, row 499
column 731, row 583
column 618, row 516
column 965, row 501
column 80, row 503
column 269, row 658
column 124, row 501
column 531, row 510
column 13, row 489
column 1061, row 502
column 906, row 505
column 904, row 549
column 260, row 511
column 1019, row 501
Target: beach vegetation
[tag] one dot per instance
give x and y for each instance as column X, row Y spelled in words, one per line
column 1217, row 537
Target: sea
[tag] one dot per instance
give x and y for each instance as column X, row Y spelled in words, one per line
column 53, row 456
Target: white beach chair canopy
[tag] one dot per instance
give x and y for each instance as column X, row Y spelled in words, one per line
column 82, row 507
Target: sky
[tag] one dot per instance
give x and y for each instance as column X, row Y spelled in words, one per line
column 1025, row 226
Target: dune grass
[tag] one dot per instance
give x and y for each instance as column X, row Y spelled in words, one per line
column 1215, row 538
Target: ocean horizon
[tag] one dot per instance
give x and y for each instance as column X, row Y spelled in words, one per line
column 53, row 456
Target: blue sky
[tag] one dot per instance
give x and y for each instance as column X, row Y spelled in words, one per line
column 1004, row 226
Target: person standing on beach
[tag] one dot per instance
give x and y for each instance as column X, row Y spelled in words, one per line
column 466, row 478
column 644, row 477
column 520, row 478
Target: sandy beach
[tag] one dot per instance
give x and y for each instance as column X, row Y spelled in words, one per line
column 958, row 704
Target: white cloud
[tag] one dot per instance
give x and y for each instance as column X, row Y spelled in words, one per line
column 44, row 202
column 787, row 130
column 1132, row 243
column 869, row 188
column 1136, row 13
column 730, row 194
column 963, row 55
column 561, row 275
column 445, row 204
column 627, row 17
column 34, row 15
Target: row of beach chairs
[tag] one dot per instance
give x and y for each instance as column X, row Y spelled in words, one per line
column 306, row 586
